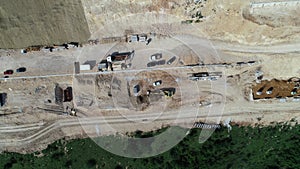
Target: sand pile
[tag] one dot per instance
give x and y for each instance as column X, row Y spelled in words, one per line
column 41, row 22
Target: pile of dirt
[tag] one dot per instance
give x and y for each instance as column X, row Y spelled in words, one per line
column 41, row 22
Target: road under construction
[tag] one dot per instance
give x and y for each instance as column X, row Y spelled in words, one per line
column 223, row 100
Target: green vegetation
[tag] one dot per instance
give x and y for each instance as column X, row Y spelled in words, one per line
column 243, row 147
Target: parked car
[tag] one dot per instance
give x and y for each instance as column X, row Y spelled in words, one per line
column 21, row 69
column 157, row 83
column 6, row 76
column 155, row 56
column 170, row 61
column 151, row 64
column 8, row 72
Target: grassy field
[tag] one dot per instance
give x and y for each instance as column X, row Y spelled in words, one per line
column 242, row 147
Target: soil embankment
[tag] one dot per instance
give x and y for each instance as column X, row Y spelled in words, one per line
column 41, row 22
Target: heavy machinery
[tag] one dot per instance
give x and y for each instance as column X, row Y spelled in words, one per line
column 169, row 92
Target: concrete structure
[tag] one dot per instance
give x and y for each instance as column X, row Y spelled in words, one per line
column 58, row 94
column 216, row 74
column 68, row 94
column 206, row 126
column 205, row 76
column 3, row 97
column 77, row 67
column 85, row 67
column 142, row 38
column 134, row 38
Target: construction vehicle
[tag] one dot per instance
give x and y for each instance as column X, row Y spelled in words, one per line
column 169, row 92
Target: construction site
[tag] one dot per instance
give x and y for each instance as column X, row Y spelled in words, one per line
column 181, row 63
column 274, row 88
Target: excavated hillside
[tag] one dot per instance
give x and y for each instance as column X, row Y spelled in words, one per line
column 41, row 22
column 224, row 20
column 47, row 22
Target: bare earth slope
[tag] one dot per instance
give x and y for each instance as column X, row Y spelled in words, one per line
column 41, row 22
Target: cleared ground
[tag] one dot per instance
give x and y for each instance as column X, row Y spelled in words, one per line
column 225, row 21
column 194, row 100
column 274, row 14
column 104, row 100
